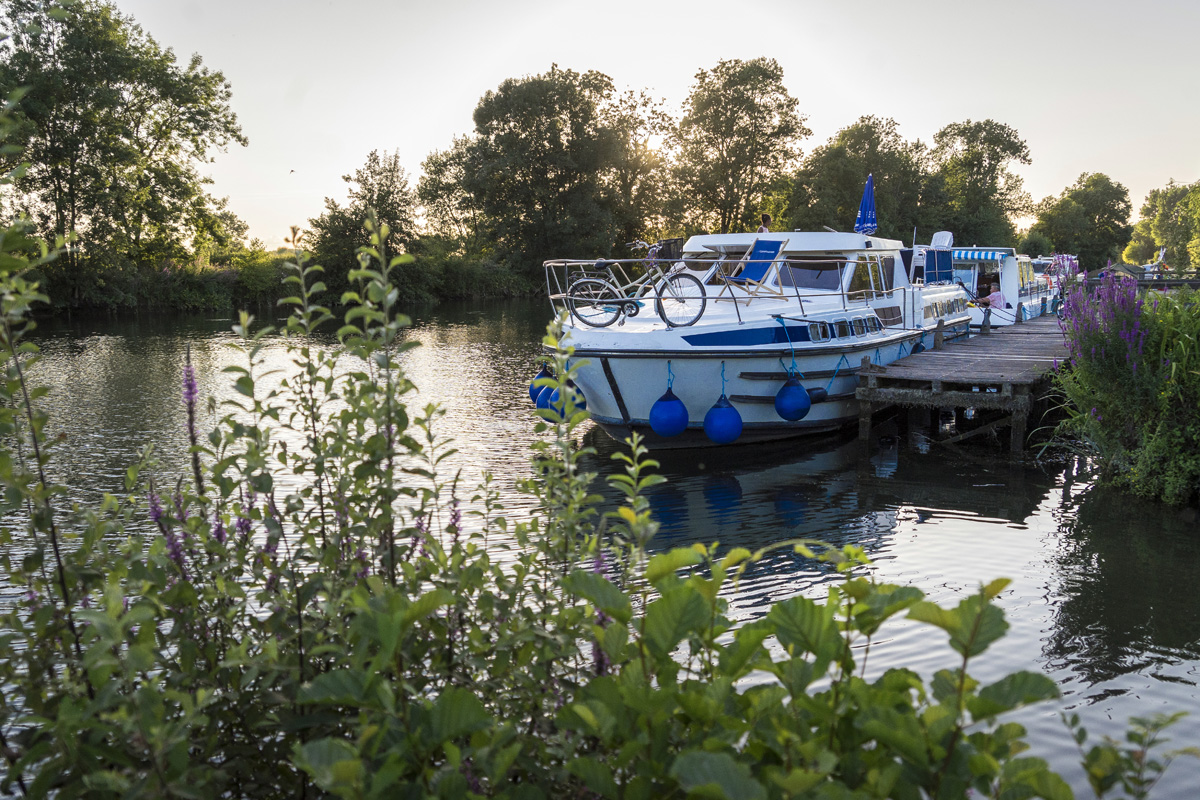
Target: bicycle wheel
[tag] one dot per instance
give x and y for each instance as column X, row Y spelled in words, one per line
column 680, row 300
column 594, row 302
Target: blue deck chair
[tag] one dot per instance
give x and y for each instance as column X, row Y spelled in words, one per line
column 758, row 266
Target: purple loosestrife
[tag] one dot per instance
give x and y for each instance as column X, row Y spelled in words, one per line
column 156, row 509
column 242, row 525
column 190, row 392
column 175, row 552
column 417, row 546
column 218, row 531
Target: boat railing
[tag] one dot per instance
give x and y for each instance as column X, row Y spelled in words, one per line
column 715, row 274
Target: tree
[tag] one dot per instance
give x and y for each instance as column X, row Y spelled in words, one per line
column 113, row 128
column 636, row 176
column 380, row 184
column 1090, row 219
column 828, row 187
column 738, row 136
column 451, row 212
column 1035, row 243
column 534, row 168
column 973, row 184
column 1168, row 219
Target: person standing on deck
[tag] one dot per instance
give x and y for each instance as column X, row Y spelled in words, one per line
column 766, row 224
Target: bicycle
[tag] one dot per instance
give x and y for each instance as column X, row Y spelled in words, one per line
column 600, row 301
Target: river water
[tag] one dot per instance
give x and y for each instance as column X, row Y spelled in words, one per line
column 1104, row 589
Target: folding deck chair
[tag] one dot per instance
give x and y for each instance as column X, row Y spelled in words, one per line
column 758, row 265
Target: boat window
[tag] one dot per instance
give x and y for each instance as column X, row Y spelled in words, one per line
column 873, row 325
column 818, row 332
column 860, row 327
column 890, row 315
column 887, row 268
column 818, row 275
column 701, row 262
column 843, row 328
column 860, row 280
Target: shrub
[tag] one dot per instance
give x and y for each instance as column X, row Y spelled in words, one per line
column 1134, row 383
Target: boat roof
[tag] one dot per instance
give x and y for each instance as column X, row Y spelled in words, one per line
column 982, row 254
column 794, row 241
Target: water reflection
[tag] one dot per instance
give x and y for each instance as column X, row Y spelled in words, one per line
column 1127, row 592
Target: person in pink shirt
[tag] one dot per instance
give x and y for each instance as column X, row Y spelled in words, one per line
column 993, row 300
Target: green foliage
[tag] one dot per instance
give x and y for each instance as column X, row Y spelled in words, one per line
column 534, row 167
column 1133, row 766
column 1170, row 218
column 113, row 129
column 972, row 184
column 737, row 137
column 379, row 187
column 1089, row 219
column 1134, row 386
column 829, row 186
column 1035, row 243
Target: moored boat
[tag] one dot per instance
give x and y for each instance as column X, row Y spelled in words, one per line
column 785, row 322
column 1026, row 292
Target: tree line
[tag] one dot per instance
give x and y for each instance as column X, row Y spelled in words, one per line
column 114, row 128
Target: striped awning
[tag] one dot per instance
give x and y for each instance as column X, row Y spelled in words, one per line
column 980, row 255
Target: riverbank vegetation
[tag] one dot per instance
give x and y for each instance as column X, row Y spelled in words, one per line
column 1133, row 385
column 116, row 130
column 318, row 609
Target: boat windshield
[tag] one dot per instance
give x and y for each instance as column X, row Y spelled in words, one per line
column 822, row 275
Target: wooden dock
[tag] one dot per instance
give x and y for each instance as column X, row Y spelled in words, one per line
column 1005, row 371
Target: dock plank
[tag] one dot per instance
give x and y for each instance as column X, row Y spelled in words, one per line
column 1018, row 359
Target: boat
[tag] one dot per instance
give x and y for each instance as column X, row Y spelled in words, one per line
column 1027, row 292
column 782, row 325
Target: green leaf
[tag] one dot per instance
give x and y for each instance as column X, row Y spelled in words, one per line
column 596, row 776
column 670, row 562
column 332, row 763
column 898, row 730
column 1011, row 691
column 339, row 686
column 672, row 617
column 804, row 624
column 425, row 605
column 973, row 624
column 456, row 713
column 715, row 775
column 601, row 593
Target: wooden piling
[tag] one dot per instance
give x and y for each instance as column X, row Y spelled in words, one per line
column 1001, row 373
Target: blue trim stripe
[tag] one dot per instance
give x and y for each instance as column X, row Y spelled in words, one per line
column 750, row 337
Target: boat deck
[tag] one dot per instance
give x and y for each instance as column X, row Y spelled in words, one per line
column 1003, row 370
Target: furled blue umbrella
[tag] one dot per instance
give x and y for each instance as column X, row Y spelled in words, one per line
column 865, row 222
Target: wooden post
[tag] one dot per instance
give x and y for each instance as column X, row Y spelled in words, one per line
column 939, row 335
column 864, row 406
column 864, row 420
column 986, row 327
column 1016, row 442
column 1020, row 316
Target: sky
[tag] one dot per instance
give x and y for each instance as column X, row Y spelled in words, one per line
column 1100, row 86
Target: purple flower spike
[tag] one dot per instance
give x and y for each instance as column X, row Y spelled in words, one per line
column 156, row 509
column 190, row 390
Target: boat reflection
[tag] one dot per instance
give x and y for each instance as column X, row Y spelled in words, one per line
column 833, row 490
